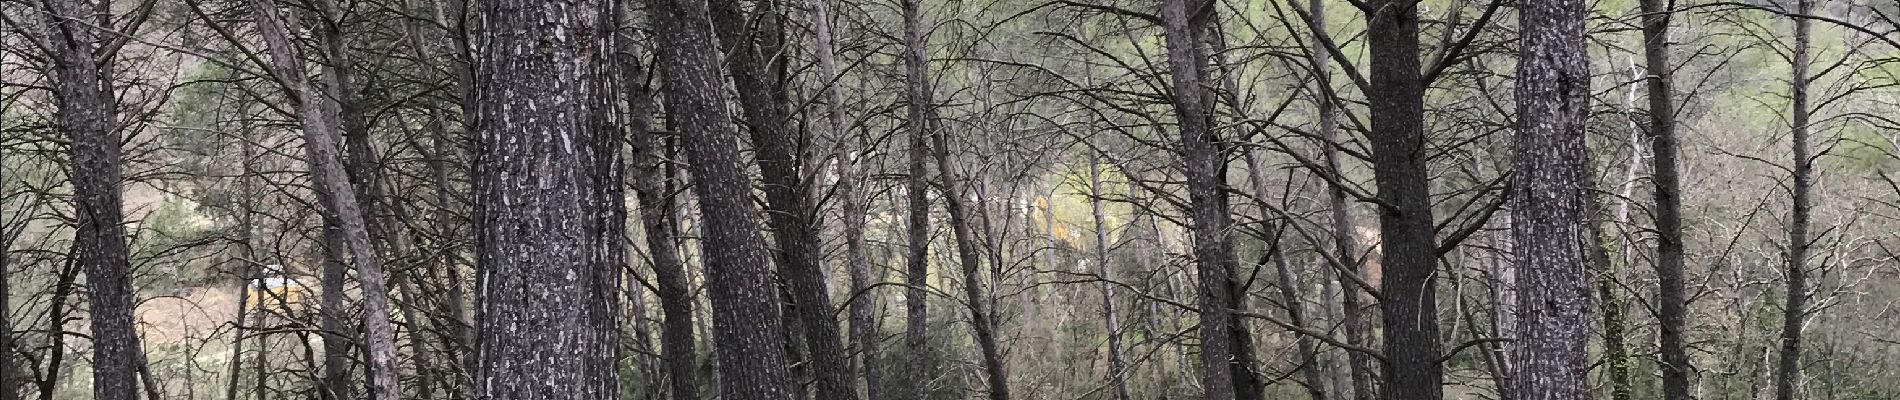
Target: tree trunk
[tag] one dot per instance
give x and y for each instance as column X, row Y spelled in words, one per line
column 864, row 330
column 335, row 382
column 917, row 263
column 550, row 214
column 1358, row 365
column 1616, row 353
column 745, row 300
column 657, row 220
column 1311, row 364
column 1788, row 372
column 981, row 321
column 338, row 84
column 337, row 196
column 87, row 111
column 758, row 73
column 1185, row 21
column 1410, row 305
column 1673, row 309
column 1551, row 190
column 248, row 272
column 10, row 383
column 1111, row 321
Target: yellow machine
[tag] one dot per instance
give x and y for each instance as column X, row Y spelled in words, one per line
column 277, row 293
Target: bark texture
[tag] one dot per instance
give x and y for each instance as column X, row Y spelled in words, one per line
column 745, row 299
column 981, row 321
column 1410, row 302
column 1788, row 370
column 338, row 197
column 1111, row 320
column 549, row 210
column 917, row 220
column 864, row 306
column 1672, row 308
column 660, row 224
column 87, row 113
column 1184, row 23
column 758, row 71
column 1552, row 194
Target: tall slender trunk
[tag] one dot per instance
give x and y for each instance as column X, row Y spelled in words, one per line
column 864, row 331
column 337, row 196
column 745, row 300
column 550, row 214
column 660, row 224
column 1788, row 372
column 1673, row 309
column 917, row 263
column 88, row 113
column 1311, row 364
column 9, row 388
column 1410, row 300
column 758, row 71
column 1247, row 382
column 1111, row 320
column 1551, row 173
column 1184, row 22
column 55, row 313
column 1358, row 365
column 1616, row 351
column 9, row 385
column 246, row 197
column 981, row 321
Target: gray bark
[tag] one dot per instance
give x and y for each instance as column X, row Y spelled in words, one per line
column 864, row 306
column 1551, row 172
column 917, row 264
column 981, row 321
column 88, row 113
column 758, row 71
column 550, row 214
column 1111, row 321
column 1795, row 312
column 745, row 299
column 1672, row 310
column 1408, row 238
column 337, row 196
column 1184, row 23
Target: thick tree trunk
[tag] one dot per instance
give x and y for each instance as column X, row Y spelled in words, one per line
column 1672, row 307
column 1410, row 306
column 1788, row 371
column 1185, row 21
column 917, row 264
column 87, row 112
column 758, row 73
column 337, row 196
column 1551, row 172
column 550, row 214
column 745, row 300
